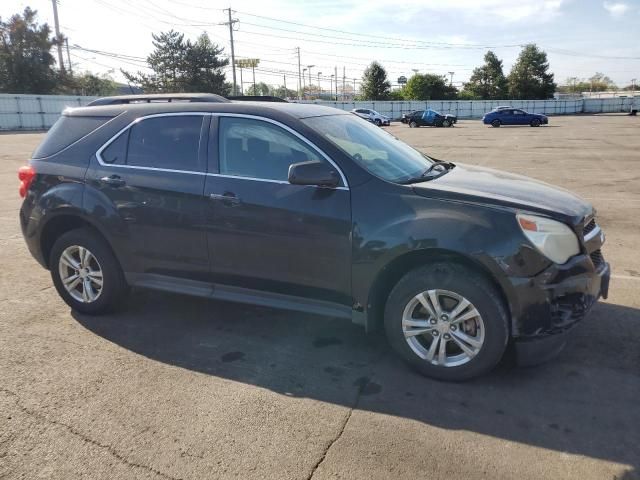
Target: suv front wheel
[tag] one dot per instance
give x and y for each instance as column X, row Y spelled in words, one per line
column 447, row 322
column 86, row 273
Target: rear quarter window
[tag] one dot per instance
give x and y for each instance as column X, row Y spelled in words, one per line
column 66, row 131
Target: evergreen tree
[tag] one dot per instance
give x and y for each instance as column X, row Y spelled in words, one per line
column 488, row 81
column 180, row 65
column 26, row 64
column 375, row 85
column 530, row 78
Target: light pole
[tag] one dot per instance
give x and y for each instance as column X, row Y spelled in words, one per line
column 331, row 85
column 451, row 82
column 309, row 67
column 304, row 70
column 319, row 87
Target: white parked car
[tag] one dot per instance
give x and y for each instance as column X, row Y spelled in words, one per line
column 372, row 116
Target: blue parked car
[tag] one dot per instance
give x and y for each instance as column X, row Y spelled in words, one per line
column 513, row 116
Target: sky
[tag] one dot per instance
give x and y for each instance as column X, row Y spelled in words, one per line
column 581, row 37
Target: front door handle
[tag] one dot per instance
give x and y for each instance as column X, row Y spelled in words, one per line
column 229, row 199
column 113, row 181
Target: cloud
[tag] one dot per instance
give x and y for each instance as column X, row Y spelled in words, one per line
column 616, row 9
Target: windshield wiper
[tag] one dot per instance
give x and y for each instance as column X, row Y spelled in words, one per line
column 436, row 170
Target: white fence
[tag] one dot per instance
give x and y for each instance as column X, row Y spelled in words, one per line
column 477, row 108
column 39, row 112
column 35, row 112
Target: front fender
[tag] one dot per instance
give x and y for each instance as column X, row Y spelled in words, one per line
column 487, row 237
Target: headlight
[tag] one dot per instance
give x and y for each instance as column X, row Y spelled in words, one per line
column 555, row 240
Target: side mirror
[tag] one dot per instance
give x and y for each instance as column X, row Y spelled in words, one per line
column 313, row 173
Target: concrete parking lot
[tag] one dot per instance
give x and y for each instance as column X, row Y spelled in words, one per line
column 184, row 388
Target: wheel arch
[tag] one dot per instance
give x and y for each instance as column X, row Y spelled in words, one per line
column 389, row 276
column 62, row 223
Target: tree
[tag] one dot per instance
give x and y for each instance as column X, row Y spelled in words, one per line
column 597, row 83
column 283, row 92
column 530, row 78
column 26, row 64
column 488, row 81
column 180, row 65
column 259, row 88
column 375, row 85
column 87, row 84
column 428, row 87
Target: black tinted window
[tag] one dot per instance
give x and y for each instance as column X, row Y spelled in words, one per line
column 166, row 142
column 258, row 149
column 116, row 152
column 66, row 131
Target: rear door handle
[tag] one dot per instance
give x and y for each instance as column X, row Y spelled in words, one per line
column 229, row 199
column 113, row 181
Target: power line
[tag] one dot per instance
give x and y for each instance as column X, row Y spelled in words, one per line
column 361, row 35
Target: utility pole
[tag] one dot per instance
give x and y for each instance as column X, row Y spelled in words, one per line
column 344, row 80
column 241, row 82
column 300, row 78
column 284, row 77
column 66, row 42
column 451, row 82
column 319, row 86
column 58, row 36
column 335, row 72
column 354, row 88
column 233, row 54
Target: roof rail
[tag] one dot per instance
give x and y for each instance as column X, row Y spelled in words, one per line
column 257, row 98
column 159, row 98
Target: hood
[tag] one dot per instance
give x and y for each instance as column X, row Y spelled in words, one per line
column 493, row 187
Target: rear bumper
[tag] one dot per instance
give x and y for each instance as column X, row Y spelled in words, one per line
column 565, row 296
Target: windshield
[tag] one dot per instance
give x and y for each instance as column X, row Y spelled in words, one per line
column 375, row 150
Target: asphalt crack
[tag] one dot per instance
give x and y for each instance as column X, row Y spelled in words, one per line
column 362, row 386
column 84, row 437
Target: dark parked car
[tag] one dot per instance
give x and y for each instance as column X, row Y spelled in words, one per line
column 513, row 116
column 430, row 118
column 307, row 208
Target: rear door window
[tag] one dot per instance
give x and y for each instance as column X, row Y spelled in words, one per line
column 169, row 142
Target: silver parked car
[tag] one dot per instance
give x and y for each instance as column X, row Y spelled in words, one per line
column 372, row 116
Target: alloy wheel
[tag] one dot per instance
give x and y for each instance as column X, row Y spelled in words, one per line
column 80, row 274
column 443, row 328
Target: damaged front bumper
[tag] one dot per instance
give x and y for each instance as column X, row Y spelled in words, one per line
column 554, row 302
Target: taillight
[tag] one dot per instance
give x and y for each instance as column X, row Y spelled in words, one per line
column 25, row 175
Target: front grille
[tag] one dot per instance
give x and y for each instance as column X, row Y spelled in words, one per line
column 589, row 227
column 597, row 258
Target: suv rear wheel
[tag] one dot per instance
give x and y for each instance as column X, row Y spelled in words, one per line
column 496, row 123
column 447, row 322
column 85, row 272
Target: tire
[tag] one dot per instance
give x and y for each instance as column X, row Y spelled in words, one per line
column 378, row 122
column 445, row 280
column 113, row 290
column 535, row 122
column 496, row 123
column 446, row 123
column 413, row 124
